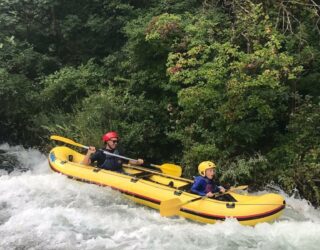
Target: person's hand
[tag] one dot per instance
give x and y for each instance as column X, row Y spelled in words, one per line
column 86, row 160
column 210, row 194
column 91, row 150
column 222, row 189
column 140, row 162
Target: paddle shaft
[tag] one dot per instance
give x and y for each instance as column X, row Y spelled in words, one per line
column 127, row 158
column 130, row 159
column 69, row 141
column 214, row 195
column 158, row 173
column 118, row 156
column 193, row 200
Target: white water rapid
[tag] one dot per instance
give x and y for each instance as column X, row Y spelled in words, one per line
column 40, row 209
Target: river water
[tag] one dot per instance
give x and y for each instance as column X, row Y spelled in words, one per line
column 40, row 209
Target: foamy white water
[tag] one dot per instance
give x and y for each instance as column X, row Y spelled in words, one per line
column 40, row 209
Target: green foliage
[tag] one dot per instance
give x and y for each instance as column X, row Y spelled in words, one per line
column 65, row 88
column 195, row 154
column 16, row 95
column 74, row 31
column 298, row 153
column 135, row 118
column 237, row 96
column 20, row 66
column 251, row 170
column 165, row 28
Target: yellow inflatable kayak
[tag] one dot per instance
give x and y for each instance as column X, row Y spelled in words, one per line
column 169, row 194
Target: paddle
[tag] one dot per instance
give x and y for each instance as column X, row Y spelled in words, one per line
column 157, row 173
column 167, row 168
column 172, row 207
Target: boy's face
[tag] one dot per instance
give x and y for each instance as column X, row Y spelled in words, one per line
column 210, row 172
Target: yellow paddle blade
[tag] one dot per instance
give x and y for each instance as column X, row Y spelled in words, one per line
column 66, row 140
column 171, row 169
column 170, row 207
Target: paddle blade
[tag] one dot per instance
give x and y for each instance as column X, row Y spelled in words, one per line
column 171, row 169
column 66, row 140
column 170, row 207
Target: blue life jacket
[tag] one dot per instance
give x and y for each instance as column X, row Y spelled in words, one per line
column 203, row 185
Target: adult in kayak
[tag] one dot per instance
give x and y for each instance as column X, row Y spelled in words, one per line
column 205, row 185
column 108, row 162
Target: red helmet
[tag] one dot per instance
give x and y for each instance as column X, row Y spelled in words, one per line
column 111, row 134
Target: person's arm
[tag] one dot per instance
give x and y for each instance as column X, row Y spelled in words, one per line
column 219, row 188
column 86, row 160
column 131, row 162
column 216, row 188
column 136, row 162
column 197, row 187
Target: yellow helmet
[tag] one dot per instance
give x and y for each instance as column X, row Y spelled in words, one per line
column 203, row 166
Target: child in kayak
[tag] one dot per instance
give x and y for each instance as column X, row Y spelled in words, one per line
column 204, row 184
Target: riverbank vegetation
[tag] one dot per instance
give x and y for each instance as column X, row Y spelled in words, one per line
column 236, row 82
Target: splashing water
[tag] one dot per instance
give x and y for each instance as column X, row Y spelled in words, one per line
column 40, row 209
